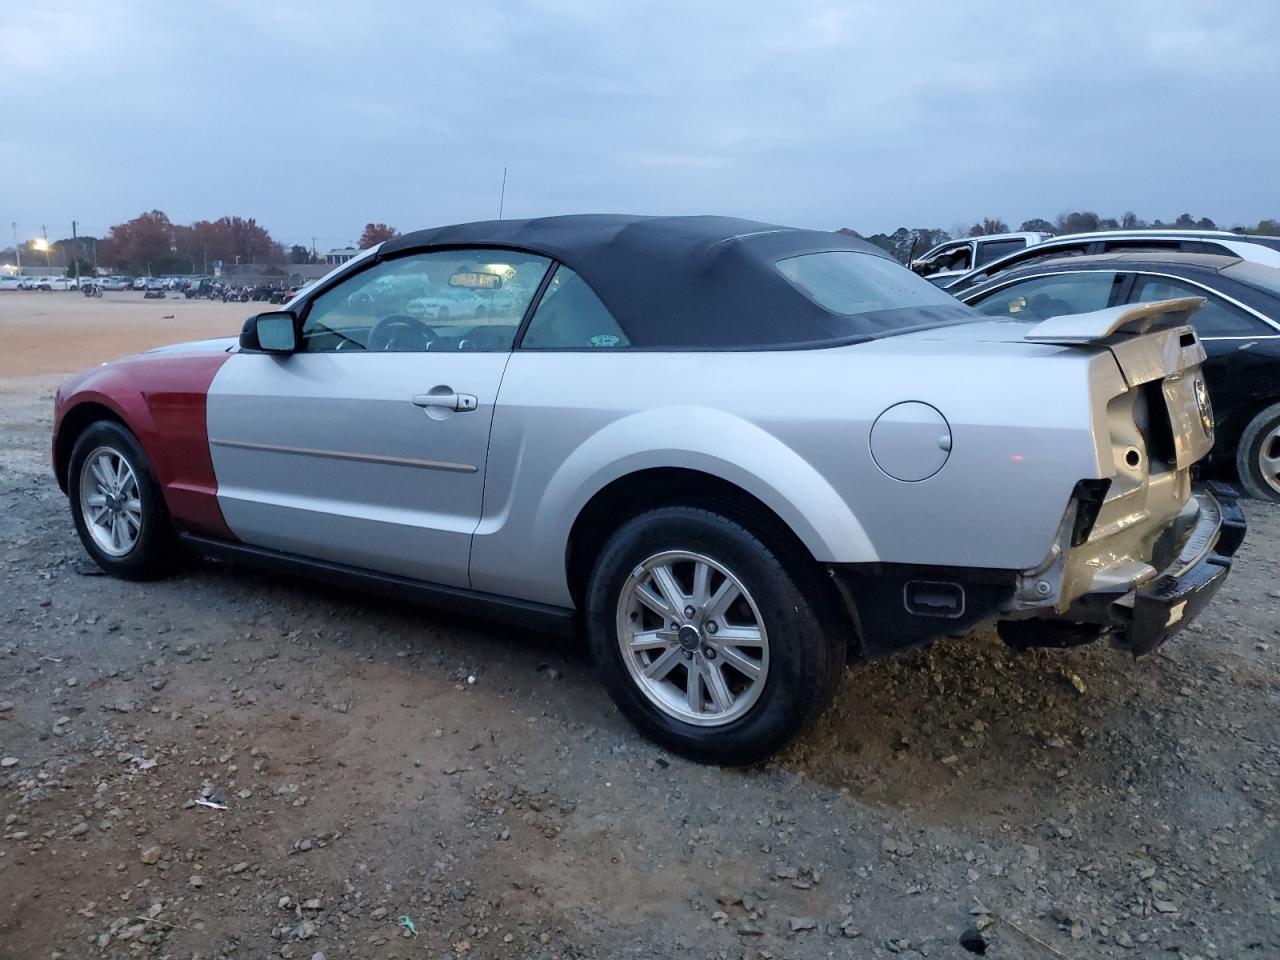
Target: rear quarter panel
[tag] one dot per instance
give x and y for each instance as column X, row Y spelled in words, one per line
column 793, row 428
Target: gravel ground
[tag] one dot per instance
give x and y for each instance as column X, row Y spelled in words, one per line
column 219, row 765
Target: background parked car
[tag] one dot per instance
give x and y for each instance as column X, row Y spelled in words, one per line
column 114, row 283
column 1239, row 326
column 953, row 259
column 11, row 283
column 1265, row 250
column 54, row 283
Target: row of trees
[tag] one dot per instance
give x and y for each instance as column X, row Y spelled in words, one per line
column 899, row 242
column 153, row 244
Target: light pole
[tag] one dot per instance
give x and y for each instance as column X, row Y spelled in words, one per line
column 17, row 249
column 75, row 253
column 48, row 261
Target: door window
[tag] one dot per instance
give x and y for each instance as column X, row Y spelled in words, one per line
column 1053, row 296
column 442, row 301
column 957, row 258
column 948, row 259
column 571, row 317
column 1215, row 318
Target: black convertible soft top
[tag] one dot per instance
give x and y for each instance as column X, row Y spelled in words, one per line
column 682, row 282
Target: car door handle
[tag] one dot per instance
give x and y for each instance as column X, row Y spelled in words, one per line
column 458, row 402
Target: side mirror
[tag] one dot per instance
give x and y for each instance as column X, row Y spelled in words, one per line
column 273, row 332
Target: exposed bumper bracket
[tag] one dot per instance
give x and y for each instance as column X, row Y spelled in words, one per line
column 1162, row 607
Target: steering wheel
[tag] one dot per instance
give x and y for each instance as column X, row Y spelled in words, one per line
column 390, row 333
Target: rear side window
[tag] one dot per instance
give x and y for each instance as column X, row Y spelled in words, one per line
column 571, row 317
column 850, row 283
column 1216, row 248
column 995, row 249
column 1150, row 246
column 1054, row 296
column 1034, row 254
column 1216, row 318
column 1256, row 275
column 1078, row 250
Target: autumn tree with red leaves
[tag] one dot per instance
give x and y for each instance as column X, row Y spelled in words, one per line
column 140, row 244
column 153, row 244
column 376, row 233
column 231, row 240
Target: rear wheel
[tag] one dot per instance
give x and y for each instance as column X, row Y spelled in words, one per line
column 704, row 638
column 1258, row 455
column 117, row 506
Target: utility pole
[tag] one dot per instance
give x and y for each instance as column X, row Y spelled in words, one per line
column 48, row 261
column 17, row 248
column 75, row 252
column 502, row 196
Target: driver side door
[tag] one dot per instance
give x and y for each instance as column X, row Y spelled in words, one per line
column 368, row 446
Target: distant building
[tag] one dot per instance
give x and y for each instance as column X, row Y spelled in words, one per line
column 340, row 255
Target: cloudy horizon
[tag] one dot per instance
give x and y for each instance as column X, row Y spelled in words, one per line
column 817, row 114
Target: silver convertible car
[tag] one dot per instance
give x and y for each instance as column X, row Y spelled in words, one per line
column 736, row 455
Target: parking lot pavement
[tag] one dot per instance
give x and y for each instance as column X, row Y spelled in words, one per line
column 224, row 765
column 44, row 333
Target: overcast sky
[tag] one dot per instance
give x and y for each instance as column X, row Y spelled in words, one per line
column 317, row 117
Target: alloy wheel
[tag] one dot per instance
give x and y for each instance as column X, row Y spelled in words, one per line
column 110, row 501
column 1269, row 458
column 692, row 638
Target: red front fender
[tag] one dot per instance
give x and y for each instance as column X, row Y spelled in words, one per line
column 161, row 398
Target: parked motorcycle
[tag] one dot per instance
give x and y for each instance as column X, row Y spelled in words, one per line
column 91, row 289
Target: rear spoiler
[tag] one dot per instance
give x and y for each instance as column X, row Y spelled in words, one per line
column 1076, row 329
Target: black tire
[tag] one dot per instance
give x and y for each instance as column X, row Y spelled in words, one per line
column 805, row 661
column 155, row 552
column 1258, row 437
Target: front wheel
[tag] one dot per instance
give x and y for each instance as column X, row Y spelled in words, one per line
column 705, row 639
column 117, row 505
column 1258, row 455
